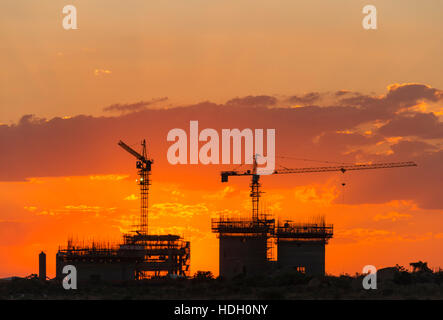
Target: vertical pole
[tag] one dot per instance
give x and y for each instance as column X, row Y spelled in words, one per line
column 255, row 196
column 42, row 266
column 255, row 190
column 144, row 190
column 144, row 173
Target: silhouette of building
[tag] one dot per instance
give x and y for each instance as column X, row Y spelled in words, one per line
column 139, row 257
column 245, row 246
column 301, row 246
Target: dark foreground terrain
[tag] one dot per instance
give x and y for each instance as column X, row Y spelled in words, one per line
column 392, row 283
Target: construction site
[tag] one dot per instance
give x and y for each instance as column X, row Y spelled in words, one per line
column 247, row 245
column 258, row 245
column 141, row 255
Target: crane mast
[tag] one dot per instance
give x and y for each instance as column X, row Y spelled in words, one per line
column 255, row 190
column 143, row 165
column 256, row 185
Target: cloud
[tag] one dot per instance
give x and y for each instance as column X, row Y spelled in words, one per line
column 101, row 72
column 307, row 98
column 408, row 92
column 226, row 192
column 73, row 209
column 398, row 97
column 189, row 233
column 318, row 195
column 127, row 223
column 340, row 93
column 337, row 132
column 423, row 125
column 109, row 177
column 392, row 216
column 253, row 101
column 363, row 235
column 132, row 197
column 225, row 213
column 179, row 210
column 412, row 148
column 133, row 107
column 174, row 191
column 355, row 235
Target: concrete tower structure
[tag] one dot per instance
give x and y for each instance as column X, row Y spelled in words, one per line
column 301, row 246
column 42, row 266
column 244, row 246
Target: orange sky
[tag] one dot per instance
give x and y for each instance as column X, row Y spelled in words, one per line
column 198, row 50
column 68, row 177
column 48, row 210
column 333, row 92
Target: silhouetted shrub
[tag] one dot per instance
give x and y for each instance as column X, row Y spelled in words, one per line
column 203, row 275
column 403, row 278
column 291, row 278
column 341, row 282
column 279, row 285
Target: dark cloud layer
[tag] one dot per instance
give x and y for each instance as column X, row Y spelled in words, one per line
column 132, row 107
column 253, row 101
column 84, row 145
column 424, row 125
column 308, row 98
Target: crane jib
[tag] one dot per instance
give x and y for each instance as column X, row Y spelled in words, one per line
column 226, row 174
column 255, row 185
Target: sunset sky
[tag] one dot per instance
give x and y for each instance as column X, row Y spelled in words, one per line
column 333, row 91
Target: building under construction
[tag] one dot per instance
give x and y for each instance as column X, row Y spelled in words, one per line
column 141, row 255
column 245, row 245
column 301, row 246
column 158, row 256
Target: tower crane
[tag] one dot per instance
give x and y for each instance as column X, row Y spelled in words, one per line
column 143, row 166
column 255, row 181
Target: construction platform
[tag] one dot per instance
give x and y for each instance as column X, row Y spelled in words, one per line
column 139, row 257
column 242, row 227
column 302, row 232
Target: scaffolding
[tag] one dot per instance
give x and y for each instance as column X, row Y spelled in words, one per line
column 304, row 232
column 243, row 227
column 258, row 246
column 164, row 255
column 140, row 256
